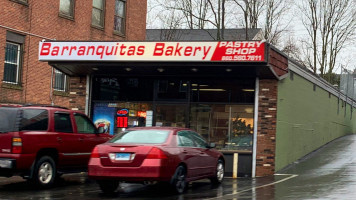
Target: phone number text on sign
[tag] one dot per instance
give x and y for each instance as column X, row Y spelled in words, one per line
column 241, row 58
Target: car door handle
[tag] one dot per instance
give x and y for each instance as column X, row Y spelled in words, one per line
column 59, row 139
column 81, row 139
column 185, row 151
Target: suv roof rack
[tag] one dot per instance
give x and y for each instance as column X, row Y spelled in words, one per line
column 10, row 105
column 45, row 105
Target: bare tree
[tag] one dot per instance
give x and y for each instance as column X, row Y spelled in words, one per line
column 216, row 14
column 218, row 10
column 275, row 14
column 331, row 25
column 171, row 25
column 200, row 14
column 194, row 12
column 252, row 10
column 292, row 49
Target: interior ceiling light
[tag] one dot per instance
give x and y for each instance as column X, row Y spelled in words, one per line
column 228, row 70
column 160, row 69
column 248, row 90
column 194, row 69
column 128, row 69
column 210, row 90
column 95, row 68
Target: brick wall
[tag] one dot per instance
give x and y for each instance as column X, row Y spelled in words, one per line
column 78, row 93
column 39, row 20
column 266, row 128
column 278, row 62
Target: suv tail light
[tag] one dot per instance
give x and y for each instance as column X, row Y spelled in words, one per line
column 156, row 153
column 16, row 145
column 95, row 153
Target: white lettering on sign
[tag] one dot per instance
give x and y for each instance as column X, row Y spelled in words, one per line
column 236, row 44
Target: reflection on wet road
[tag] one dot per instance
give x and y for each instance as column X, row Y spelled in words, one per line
column 329, row 173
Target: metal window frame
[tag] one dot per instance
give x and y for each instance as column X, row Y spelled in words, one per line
column 69, row 15
column 122, row 32
column 64, row 81
column 17, row 64
column 102, row 15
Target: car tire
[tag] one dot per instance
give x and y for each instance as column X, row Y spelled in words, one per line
column 178, row 181
column 108, row 187
column 219, row 173
column 44, row 173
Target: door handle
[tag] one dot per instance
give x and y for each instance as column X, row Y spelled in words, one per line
column 185, row 151
column 81, row 139
column 59, row 139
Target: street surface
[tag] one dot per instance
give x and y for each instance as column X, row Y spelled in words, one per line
column 329, row 173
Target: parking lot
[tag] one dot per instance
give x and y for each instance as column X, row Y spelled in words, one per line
column 328, row 173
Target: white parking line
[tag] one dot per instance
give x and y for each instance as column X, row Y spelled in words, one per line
column 254, row 188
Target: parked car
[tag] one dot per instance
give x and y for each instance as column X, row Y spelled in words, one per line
column 40, row 143
column 155, row 154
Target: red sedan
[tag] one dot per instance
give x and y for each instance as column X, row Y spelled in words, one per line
column 163, row 154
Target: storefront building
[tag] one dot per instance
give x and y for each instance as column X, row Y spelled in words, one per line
column 24, row 23
column 225, row 90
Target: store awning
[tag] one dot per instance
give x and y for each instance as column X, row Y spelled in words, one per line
column 217, row 58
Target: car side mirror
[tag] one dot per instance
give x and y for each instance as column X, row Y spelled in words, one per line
column 212, row 145
column 101, row 130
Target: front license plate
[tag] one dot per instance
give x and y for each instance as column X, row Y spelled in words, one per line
column 5, row 164
column 122, row 156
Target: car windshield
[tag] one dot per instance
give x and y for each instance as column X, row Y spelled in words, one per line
column 141, row 137
column 8, row 119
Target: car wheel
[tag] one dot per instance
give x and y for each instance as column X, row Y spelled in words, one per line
column 178, row 181
column 44, row 172
column 108, row 187
column 219, row 173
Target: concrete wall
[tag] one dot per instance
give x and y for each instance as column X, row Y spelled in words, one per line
column 308, row 116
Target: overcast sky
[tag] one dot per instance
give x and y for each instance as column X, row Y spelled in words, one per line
column 297, row 31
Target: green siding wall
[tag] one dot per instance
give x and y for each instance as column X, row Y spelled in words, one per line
column 307, row 119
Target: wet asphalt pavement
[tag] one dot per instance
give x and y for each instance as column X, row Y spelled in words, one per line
column 328, row 173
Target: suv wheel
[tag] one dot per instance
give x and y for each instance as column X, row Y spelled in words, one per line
column 44, row 172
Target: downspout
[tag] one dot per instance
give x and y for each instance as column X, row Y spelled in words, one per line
column 51, row 89
column 87, row 96
column 255, row 125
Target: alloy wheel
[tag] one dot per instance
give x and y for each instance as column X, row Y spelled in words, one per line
column 45, row 173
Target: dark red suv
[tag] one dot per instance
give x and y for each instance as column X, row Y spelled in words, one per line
column 42, row 142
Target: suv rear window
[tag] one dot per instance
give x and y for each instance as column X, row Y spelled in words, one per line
column 8, row 119
column 141, row 137
column 34, row 120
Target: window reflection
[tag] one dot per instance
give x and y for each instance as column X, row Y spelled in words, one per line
column 229, row 126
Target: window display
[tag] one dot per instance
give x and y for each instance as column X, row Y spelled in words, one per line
column 220, row 110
